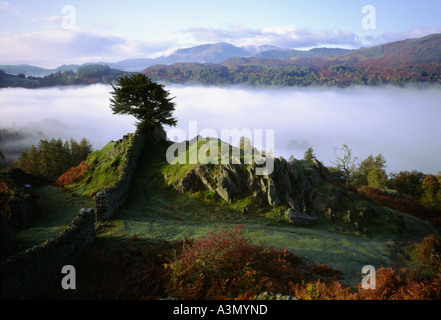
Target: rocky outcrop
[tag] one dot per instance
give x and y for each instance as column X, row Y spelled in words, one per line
column 303, row 188
column 292, row 184
column 299, row 218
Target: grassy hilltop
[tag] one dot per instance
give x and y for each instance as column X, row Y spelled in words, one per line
column 159, row 209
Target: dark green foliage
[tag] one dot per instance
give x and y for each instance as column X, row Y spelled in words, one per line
column 289, row 75
column 371, row 172
column 431, row 186
column 407, row 182
column 309, row 155
column 52, row 158
column 2, row 160
column 147, row 101
column 95, row 73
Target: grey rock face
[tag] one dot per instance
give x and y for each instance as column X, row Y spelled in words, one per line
column 299, row 218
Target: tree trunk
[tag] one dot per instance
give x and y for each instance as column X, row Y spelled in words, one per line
column 347, row 180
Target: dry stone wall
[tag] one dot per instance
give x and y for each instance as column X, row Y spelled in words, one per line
column 16, row 207
column 31, row 272
column 112, row 198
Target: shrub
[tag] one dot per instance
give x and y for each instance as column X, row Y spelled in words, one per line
column 425, row 262
column 402, row 203
column 226, row 265
column 205, row 268
column 319, row 290
column 235, row 268
column 401, row 285
column 72, row 175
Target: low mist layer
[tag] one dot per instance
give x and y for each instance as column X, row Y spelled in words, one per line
column 63, row 112
column 400, row 123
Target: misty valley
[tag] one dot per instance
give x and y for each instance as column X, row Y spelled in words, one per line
column 211, row 158
column 139, row 210
column 399, row 123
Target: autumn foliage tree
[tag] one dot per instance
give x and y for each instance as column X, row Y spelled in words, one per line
column 407, row 182
column 431, row 186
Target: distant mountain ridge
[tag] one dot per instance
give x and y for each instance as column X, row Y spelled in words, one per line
column 34, row 71
column 205, row 53
column 398, row 63
column 401, row 62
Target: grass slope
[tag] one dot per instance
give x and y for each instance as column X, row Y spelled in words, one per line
column 155, row 212
column 56, row 209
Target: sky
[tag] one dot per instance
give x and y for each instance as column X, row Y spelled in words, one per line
column 49, row 33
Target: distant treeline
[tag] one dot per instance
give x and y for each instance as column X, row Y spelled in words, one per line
column 239, row 73
column 89, row 74
column 242, row 73
column 370, row 178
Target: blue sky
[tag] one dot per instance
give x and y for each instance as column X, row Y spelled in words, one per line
column 39, row 32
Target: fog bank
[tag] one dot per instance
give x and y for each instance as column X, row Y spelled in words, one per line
column 64, row 112
column 401, row 123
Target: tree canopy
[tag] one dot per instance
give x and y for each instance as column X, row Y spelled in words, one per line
column 345, row 162
column 371, row 172
column 147, row 101
column 309, row 155
column 52, row 158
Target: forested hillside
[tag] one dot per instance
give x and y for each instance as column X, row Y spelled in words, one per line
column 89, row 74
column 413, row 61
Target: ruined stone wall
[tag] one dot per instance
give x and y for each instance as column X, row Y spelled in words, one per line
column 110, row 199
column 31, row 272
column 16, row 207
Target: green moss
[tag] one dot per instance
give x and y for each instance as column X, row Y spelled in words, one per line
column 105, row 167
column 182, row 167
column 176, row 171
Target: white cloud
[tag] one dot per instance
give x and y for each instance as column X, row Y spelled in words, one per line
column 397, row 36
column 282, row 36
column 55, row 46
column 300, row 37
column 11, row 8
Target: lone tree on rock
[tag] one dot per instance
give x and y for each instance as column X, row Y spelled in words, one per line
column 345, row 162
column 147, row 101
column 309, row 155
